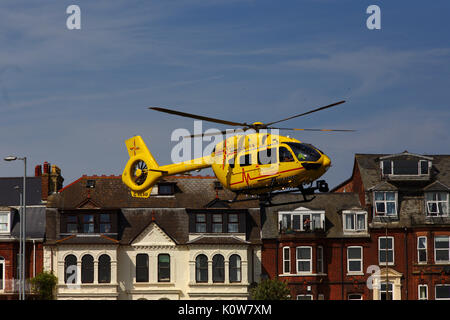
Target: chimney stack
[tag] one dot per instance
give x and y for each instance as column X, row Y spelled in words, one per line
column 51, row 179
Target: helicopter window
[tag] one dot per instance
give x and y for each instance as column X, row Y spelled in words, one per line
column 245, row 160
column 231, row 163
column 285, row 155
column 304, row 152
column 267, row 157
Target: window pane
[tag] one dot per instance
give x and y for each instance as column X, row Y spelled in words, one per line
column 442, row 255
column 87, row 269
column 233, row 227
column 422, row 292
column 390, row 208
column 442, row 242
column 422, row 242
column 304, row 297
column 163, row 267
column 303, row 253
column 104, row 269
column 200, row 227
column 142, row 268
column 354, row 265
column 218, row 268
column 354, row 253
column 217, row 218
column 379, row 195
column 361, row 223
column 232, row 217
column 423, row 167
column 422, row 255
column 390, row 195
column 235, row 268
column 201, row 218
column 201, row 265
column 105, row 227
column 380, row 207
column 387, row 169
column 442, row 292
column 349, row 221
column 217, row 227
column 296, row 222
column 286, row 222
column 304, row 266
column 316, row 221
column 104, row 217
column 285, row 155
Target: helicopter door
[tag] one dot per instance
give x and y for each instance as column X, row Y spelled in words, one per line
column 287, row 161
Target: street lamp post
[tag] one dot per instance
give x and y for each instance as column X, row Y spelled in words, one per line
column 23, row 224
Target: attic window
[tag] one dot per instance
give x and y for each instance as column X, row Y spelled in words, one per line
column 405, row 167
column 90, row 184
column 166, row 189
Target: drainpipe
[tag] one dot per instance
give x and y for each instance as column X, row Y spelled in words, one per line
column 276, row 259
column 34, row 258
column 342, row 269
column 406, row 259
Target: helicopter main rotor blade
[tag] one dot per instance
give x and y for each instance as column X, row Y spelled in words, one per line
column 305, row 113
column 194, row 116
column 296, row 129
column 224, row 132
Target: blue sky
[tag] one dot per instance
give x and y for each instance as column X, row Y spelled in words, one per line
column 71, row 97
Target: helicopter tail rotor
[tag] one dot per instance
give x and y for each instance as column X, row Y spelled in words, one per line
column 141, row 171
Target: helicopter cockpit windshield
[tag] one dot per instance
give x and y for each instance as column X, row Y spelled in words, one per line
column 304, row 152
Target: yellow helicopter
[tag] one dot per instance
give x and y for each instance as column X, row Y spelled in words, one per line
column 256, row 162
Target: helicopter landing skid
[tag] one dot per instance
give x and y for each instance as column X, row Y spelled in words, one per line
column 265, row 199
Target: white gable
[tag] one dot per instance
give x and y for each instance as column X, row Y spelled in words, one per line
column 153, row 236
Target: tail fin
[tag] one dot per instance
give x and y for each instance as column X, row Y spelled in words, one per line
column 141, row 171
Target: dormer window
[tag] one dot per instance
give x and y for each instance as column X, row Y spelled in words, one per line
column 400, row 167
column 301, row 220
column 355, row 221
column 436, row 203
column 385, row 203
column 166, row 189
column 5, row 225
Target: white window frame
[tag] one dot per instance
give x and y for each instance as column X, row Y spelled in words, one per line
column 426, row 291
column 305, row 295
column 440, row 285
column 302, row 212
column 319, row 260
column 360, row 260
column 385, row 214
column 8, row 219
column 428, row 202
column 297, row 260
column 355, row 220
column 420, row 167
column 2, row 266
column 391, row 292
column 382, row 167
column 383, row 263
column 286, row 259
column 448, row 249
column 426, row 250
column 354, row 294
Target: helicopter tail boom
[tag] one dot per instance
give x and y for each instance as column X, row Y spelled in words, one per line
column 142, row 171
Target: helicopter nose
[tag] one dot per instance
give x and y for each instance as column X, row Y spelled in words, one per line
column 326, row 162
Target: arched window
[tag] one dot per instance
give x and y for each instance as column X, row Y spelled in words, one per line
column 218, row 268
column 142, row 267
column 163, row 268
column 201, row 268
column 70, row 269
column 2, row 273
column 235, row 268
column 104, row 269
column 87, row 269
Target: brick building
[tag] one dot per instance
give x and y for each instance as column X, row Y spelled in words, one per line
column 390, row 216
column 407, row 196
column 180, row 243
column 38, row 189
